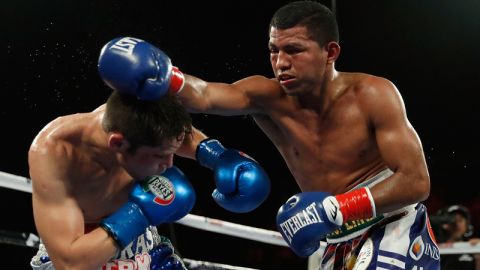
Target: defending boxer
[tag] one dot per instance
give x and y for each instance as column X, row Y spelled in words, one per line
column 103, row 180
column 345, row 137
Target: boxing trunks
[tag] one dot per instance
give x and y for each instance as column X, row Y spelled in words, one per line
column 402, row 239
column 149, row 251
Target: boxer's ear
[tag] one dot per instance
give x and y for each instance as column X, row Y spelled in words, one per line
column 117, row 141
column 333, row 49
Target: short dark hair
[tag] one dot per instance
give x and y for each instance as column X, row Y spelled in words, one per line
column 319, row 20
column 146, row 122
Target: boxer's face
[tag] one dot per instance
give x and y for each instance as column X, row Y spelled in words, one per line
column 299, row 63
column 148, row 160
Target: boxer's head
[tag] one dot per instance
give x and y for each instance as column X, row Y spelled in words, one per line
column 320, row 21
column 148, row 123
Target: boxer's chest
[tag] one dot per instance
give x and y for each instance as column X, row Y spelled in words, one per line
column 101, row 199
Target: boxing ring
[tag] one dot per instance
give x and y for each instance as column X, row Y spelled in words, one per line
column 29, row 239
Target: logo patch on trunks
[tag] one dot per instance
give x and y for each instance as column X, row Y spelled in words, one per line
column 364, row 256
column 417, row 248
column 162, row 188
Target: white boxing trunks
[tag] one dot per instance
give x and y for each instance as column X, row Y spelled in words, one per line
column 150, row 248
column 402, row 239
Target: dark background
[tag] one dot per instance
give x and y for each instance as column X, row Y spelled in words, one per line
column 429, row 49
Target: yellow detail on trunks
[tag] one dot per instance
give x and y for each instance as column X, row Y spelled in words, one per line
column 353, row 226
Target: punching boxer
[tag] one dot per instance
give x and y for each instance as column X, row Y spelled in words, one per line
column 345, row 137
column 103, row 180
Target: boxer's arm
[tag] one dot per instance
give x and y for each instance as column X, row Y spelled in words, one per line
column 136, row 67
column 399, row 146
column 190, row 143
column 246, row 96
column 58, row 218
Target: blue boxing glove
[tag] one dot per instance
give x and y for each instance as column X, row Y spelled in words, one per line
column 306, row 218
column 135, row 67
column 155, row 200
column 163, row 257
column 302, row 222
column 241, row 184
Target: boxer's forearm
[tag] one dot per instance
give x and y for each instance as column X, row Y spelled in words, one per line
column 90, row 251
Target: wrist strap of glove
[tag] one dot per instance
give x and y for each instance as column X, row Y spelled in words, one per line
column 208, row 152
column 126, row 224
column 353, row 205
column 177, row 81
column 356, row 204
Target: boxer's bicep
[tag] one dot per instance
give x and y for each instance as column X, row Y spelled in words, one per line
column 238, row 98
column 58, row 218
column 398, row 142
column 399, row 147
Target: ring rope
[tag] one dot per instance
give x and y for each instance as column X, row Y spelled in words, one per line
column 15, row 182
column 458, row 248
column 233, row 229
column 219, row 226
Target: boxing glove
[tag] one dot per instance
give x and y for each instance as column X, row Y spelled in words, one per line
column 241, row 183
column 164, row 258
column 154, row 200
column 307, row 217
column 135, row 67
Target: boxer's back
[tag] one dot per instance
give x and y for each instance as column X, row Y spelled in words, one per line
column 79, row 171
